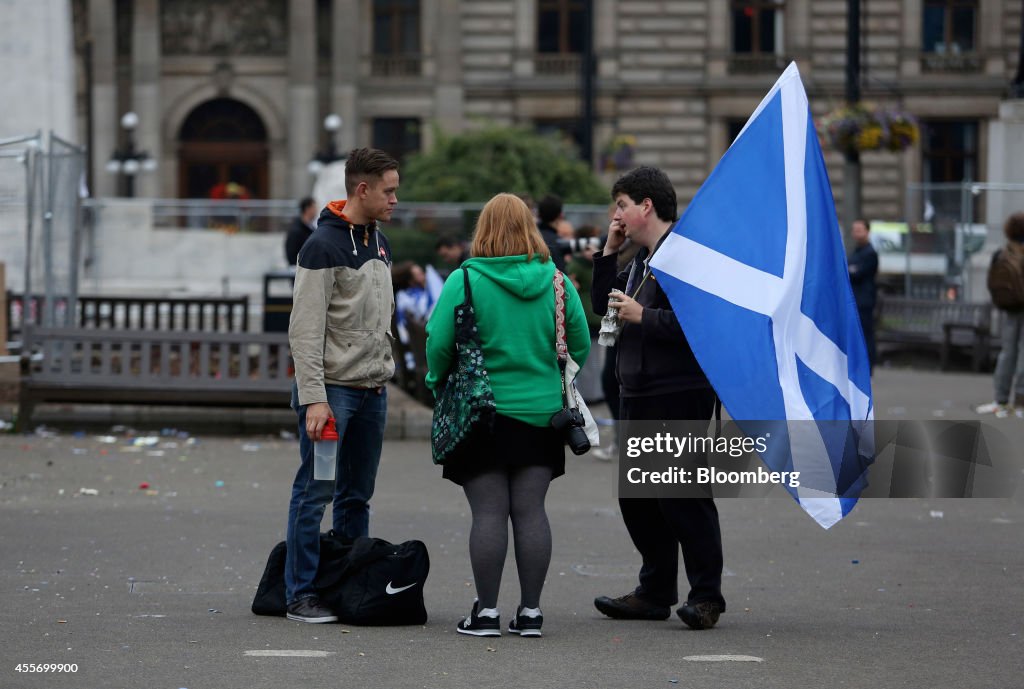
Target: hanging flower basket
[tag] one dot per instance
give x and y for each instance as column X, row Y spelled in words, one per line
column 862, row 127
column 618, row 154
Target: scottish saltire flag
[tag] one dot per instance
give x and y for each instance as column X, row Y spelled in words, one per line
column 757, row 276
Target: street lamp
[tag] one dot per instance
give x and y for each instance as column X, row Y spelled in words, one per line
column 126, row 161
column 329, row 153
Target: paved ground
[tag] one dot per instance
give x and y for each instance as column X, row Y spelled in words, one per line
column 150, row 587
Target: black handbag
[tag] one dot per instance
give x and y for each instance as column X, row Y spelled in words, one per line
column 465, row 403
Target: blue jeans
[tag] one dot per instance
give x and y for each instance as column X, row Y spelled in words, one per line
column 360, row 416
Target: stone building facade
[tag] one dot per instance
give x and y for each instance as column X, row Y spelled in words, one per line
column 236, row 90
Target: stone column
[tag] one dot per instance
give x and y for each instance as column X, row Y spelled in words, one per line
column 910, row 60
column 719, row 38
column 303, row 119
column 146, row 92
column 526, row 41
column 346, row 34
column 105, row 116
column 448, row 91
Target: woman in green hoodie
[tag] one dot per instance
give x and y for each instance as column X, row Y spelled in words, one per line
column 506, row 473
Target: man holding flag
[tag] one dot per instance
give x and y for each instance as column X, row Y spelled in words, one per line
column 758, row 253
column 659, row 379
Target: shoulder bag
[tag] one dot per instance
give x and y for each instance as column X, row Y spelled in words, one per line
column 465, row 403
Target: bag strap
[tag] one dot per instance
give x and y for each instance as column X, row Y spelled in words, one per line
column 561, row 348
column 468, row 301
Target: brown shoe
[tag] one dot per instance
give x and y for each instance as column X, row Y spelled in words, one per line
column 631, row 607
column 702, row 615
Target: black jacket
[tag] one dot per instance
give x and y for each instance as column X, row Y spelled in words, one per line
column 550, row 237
column 654, row 357
column 298, row 233
column 864, row 266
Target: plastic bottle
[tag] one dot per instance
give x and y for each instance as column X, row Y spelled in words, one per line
column 325, row 453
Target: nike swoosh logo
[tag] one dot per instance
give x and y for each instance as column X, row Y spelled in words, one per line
column 391, row 590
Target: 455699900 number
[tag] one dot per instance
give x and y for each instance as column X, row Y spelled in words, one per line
column 46, row 667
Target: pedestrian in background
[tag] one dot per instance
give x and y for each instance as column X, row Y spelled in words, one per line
column 300, row 230
column 452, row 251
column 505, row 473
column 1006, row 285
column 338, row 333
column 549, row 212
column 863, row 267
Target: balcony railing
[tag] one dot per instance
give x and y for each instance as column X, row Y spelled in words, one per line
column 556, row 64
column 396, row 65
column 951, row 62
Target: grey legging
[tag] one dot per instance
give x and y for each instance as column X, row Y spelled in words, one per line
column 494, row 497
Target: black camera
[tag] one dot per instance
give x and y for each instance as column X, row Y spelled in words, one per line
column 570, row 422
column 578, row 245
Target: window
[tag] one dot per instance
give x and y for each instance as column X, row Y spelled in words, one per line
column 757, row 27
column 560, row 26
column 950, row 151
column 949, row 26
column 398, row 136
column 396, row 38
column 757, row 33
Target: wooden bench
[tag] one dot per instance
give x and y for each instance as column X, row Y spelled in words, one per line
column 203, row 314
column 149, row 367
column 940, row 325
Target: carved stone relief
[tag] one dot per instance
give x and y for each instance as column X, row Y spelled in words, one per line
column 224, row 27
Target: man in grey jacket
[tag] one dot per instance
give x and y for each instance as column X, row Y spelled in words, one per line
column 340, row 341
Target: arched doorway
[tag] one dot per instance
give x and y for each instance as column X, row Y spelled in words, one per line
column 223, row 152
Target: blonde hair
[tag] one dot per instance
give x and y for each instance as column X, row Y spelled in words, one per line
column 506, row 228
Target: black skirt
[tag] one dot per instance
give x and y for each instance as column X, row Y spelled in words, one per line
column 510, row 445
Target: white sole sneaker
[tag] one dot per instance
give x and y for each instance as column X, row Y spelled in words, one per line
column 313, row 620
column 477, row 632
column 526, row 633
column 990, row 408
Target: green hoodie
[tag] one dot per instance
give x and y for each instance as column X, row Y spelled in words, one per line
column 514, row 300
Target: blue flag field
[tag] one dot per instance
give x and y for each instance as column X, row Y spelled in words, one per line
column 757, row 276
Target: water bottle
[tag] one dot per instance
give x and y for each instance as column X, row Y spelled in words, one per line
column 610, row 325
column 325, row 453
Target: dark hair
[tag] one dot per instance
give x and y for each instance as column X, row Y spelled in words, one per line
column 364, row 163
column 401, row 274
column 549, row 208
column 867, row 223
column 305, row 203
column 649, row 183
column 446, row 241
column 1014, row 227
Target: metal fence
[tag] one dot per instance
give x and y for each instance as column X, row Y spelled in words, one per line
column 250, row 215
column 40, row 211
column 943, row 247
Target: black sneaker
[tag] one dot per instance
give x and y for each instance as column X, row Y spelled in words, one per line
column 310, row 609
column 702, row 615
column 525, row 626
column 479, row 626
column 631, row 607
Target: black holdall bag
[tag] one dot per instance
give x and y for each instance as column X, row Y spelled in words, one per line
column 368, row 582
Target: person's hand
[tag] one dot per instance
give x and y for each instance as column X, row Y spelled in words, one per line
column 628, row 308
column 316, row 418
column 616, row 237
